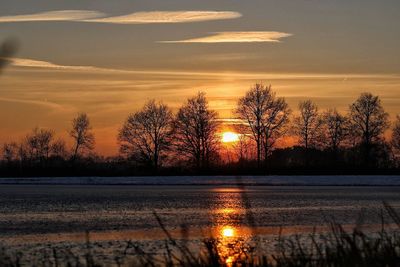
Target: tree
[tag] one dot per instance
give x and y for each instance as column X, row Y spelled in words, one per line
column 59, row 149
column 38, row 144
column 244, row 147
column 277, row 116
column 10, row 151
column 82, row 134
column 146, row 134
column 336, row 129
column 369, row 121
column 265, row 114
column 395, row 142
column 195, row 128
column 396, row 133
column 307, row 124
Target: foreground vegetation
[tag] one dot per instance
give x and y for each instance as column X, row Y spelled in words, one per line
column 336, row 248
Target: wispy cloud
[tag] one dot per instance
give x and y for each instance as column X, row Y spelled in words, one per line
column 237, row 37
column 43, row 103
column 168, row 17
column 60, row 15
column 31, row 63
column 147, row 17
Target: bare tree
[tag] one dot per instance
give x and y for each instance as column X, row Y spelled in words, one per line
column 395, row 142
column 59, row 149
column 265, row 114
column 277, row 117
column 369, row 120
column 196, row 129
column 244, row 147
column 82, row 134
column 307, row 125
column 146, row 134
column 336, row 129
column 38, row 143
column 10, row 151
column 396, row 133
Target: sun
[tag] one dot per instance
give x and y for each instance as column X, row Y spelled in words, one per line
column 229, row 137
column 228, row 232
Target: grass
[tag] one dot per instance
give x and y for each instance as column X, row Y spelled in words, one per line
column 338, row 247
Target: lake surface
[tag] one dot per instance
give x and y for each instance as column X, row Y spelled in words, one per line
column 60, row 211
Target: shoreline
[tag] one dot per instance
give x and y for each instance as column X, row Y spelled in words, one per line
column 301, row 180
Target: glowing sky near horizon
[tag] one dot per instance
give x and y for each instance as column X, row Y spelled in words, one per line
column 107, row 58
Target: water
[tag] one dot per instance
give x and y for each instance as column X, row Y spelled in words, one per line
column 35, row 218
column 52, row 209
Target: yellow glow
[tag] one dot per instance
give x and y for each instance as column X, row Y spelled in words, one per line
column 229, row 137
column 228, row 232
column 229, row 261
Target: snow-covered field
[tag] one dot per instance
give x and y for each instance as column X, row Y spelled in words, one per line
column 346, row 180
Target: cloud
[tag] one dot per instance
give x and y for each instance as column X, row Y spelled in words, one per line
column 60, row 15
column 45, row 103
column 31, row 63
column 237, row 37
column 134, row 18
column 168, row 17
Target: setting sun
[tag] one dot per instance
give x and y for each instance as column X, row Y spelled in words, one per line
column 229, row 137
column 228, row 232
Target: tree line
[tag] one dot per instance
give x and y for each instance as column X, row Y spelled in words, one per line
column 155, row 139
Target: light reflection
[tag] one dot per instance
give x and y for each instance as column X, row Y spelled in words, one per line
column 229, row 217
column 229, row 261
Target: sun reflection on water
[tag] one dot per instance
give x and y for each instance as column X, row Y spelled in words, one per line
column 228, row 216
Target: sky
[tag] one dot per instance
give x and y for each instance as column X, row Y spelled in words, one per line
column 107, row 58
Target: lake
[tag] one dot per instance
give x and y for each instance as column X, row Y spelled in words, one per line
column 51, row 212
column 38, row 215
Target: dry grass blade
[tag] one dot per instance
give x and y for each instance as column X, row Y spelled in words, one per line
column 393, row 214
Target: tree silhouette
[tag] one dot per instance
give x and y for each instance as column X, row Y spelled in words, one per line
column 82, row 134
column 146, row 134
column 395, row 142
column 307, row 125
column 244, row 147
column 38, row 144
column 277, row 116
column 195, row 128
column 265, row 114
column 10, row 151
column 59, row 149
column 336, row 129
column 369, row 121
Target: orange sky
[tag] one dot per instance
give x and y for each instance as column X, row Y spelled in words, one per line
column 50, row 98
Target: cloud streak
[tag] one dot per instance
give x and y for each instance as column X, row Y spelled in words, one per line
column 148, row 17
column 237, row 37
column 31, row 63
column 60, row 15
column 168, row 17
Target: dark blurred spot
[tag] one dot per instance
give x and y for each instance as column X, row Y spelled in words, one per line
column 7, row 49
